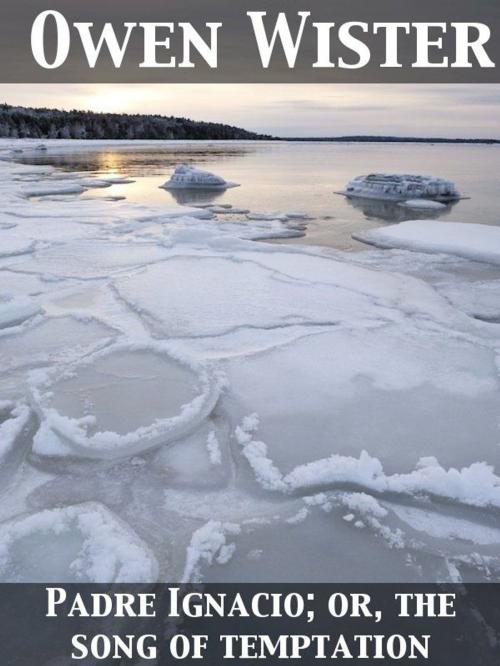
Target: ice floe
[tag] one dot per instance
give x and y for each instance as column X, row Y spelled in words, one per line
column 401, row 187
column 208, row 543
column 200, row 460
column 43, row 190
column 11, row 246
column 446, row 526
column 227, row 210
column 15, row 311
column 49, row 341
column 13, row 418
column 480, row 299
column 80, row 543
column 83, row 411
column 478, row 242
column 188, row 177
column 423, row 204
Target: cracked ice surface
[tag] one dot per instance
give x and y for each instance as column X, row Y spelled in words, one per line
column 179, row 401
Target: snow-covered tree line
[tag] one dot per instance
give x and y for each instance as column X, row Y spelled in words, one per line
column 19, row 122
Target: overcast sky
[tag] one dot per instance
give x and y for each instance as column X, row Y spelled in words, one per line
column 292, row 110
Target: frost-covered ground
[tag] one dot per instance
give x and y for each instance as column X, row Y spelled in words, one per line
column 182, row 401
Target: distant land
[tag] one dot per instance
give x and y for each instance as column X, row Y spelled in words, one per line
column 18, row 122
column 390, row 139
column 25, row 123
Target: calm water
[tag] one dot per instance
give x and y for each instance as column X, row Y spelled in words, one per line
column 304, row 176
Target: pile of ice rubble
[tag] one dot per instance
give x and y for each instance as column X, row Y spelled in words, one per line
column 188, row 177
column 181, row 402
column 414, row 190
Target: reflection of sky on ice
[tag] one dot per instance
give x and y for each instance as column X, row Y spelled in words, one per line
column 296, row 177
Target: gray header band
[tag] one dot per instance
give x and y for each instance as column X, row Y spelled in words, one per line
column 238, row 54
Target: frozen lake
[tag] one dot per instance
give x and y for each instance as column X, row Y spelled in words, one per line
column 301, row 176
column 181, row 401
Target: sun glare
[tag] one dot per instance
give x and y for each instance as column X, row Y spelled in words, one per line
column 111, row 101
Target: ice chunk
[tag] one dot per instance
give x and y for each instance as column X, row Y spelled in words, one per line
column 345, row 390
column 24, row 285
column 283, row 217
column 445, row 526
column 476, row 485
column 401, row 187
column 117, row 180
column 273, row 289
column 46, row 444
column 92, row 405
column 189, row 177
column 13, row 418
column 80, row 543
column 299, row 517
column 424, row 204
column 227, row 210
column 11, row 246
column 208, row 544
column 49, row 341
column 88, row 259
column 364, row 504
column 213, row 448
column 200, row 460
column 44, row 190
column 14, row 312
column 478, row 242
column 480, row 299
column 256, row 453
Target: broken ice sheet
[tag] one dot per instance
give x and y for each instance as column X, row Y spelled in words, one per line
column 15, row 311
column 51, row 341
column 480, row 299
column 478, row 242
column 93, row 405
column 336, row 352
column 13, row 419
column 88, row 260
column 204, row 295
column 200, row 460
column 398, row 393
column 79, row 543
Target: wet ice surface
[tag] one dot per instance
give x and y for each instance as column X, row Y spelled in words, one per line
column 181, row 401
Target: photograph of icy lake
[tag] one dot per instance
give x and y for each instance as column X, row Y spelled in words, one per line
column 270, row 382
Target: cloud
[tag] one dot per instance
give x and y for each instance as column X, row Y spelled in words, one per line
column 317, row 106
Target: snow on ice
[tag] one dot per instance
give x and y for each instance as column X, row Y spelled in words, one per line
column 80, row 543
column 424, row 204
column 401, row 187
column 180, row 401
column 189, row 177
column 84, row 412
column 478, row 242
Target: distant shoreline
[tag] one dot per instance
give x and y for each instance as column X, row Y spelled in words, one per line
column 388, row 139
column 271, row 139
column 17, row 122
